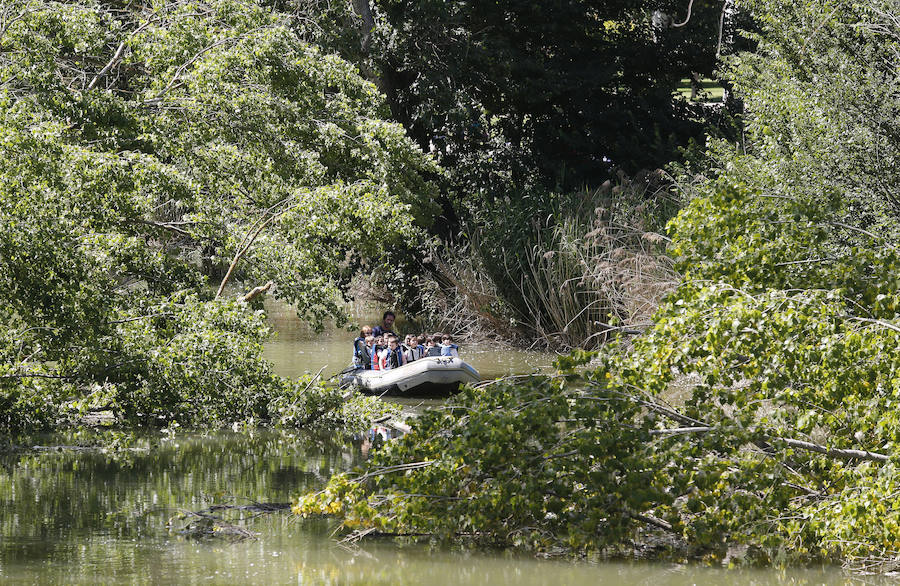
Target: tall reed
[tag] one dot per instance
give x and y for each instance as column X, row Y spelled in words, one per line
column 570, row 271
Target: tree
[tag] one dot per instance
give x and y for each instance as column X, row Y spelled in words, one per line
column 759, row 412
column 145, row 148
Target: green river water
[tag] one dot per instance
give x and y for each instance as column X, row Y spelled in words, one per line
column 73, row 515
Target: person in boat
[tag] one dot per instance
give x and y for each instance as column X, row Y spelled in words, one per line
column 392, row 356
column 420, row 344
column 411, row 349
column 431, row 347
column 377, row 349
column 362, row 358
column 387, row 325
column 448, row 348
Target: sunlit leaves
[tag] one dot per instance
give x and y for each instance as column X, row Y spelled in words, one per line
column 140, row 147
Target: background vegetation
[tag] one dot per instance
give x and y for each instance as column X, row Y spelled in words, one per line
column 160, row 159
column 756, row 419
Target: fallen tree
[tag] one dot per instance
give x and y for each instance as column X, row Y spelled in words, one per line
column 758, row 418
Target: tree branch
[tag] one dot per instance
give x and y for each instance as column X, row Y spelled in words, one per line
column 257, row 291
column 115, row 59
column 250, row 238
column 842, row 454
column 687, row 18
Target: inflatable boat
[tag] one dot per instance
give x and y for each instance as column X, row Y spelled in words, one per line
column 426, row 377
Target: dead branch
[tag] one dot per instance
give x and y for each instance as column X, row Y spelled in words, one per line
column 257, row 291
column 203, row 525
column 651, row 520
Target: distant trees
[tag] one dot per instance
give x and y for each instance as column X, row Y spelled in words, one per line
column 520, row 102
column 515, row 95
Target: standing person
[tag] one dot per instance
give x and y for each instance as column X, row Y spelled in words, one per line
column 392, row 356
column 387, row 324
column 361, row 356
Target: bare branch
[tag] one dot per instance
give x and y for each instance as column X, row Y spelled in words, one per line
column 879, row 322
column 842, row 454
column 687, row 18
column 115, row 59
column 268, row 217
column 120, row 51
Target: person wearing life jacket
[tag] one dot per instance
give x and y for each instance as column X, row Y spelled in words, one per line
column 376, row 351
column 448, row 348
column 411, row 349
column 361, row 356
column 392, row 356
column 420, row 344
column 431, row 347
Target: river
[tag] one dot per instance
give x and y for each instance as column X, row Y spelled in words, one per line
column 75, row 514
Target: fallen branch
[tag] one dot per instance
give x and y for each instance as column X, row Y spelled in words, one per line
column 835, row 452
column 651, row 520
column 843, row 454
column 204, row 525
column 372, row 532
column 257, row 291
column 392, row 469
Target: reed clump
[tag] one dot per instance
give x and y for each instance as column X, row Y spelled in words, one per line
column 563, row 271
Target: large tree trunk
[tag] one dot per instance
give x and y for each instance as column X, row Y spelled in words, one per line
column 364, row 10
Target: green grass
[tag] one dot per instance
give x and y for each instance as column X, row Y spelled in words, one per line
column 710, row 90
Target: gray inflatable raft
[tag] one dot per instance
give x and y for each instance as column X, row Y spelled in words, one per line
column 426, row 377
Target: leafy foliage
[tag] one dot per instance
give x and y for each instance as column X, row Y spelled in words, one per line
column 759, row 413
column 142, row 150
column 504, row 475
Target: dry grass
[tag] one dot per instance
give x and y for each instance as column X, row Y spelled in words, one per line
column 593, row 272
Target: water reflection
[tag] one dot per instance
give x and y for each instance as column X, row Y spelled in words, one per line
column 95, row 511
column 90, row 516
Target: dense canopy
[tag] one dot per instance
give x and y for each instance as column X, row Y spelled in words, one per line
column 144, row 148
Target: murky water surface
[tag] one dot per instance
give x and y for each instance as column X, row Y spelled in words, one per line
column 90, row 516
column 70, row 515
column 297, row 349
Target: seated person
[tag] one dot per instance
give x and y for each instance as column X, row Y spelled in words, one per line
column 377, row 349
column 411, row 349
column 448, row 348
column 420, row 344
column 362, row 357
column 392, row 356
column 431, row 347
